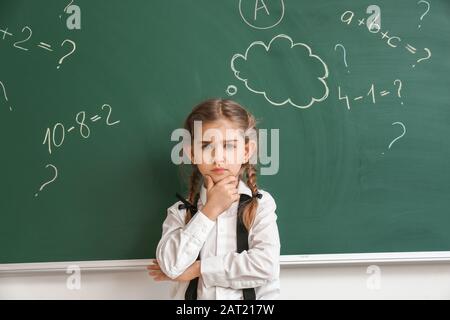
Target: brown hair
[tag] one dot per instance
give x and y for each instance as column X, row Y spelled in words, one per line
column 213, row 110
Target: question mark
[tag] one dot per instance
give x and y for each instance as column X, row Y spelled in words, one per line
column 426, row 58
column 399, row 88
column 71, row 1
column 423, row 15
column 404, row 132
column 4, row 93
column 345, row 54
column 73, row 50
column 48, row 182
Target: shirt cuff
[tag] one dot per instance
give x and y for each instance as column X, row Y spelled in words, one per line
column 212, row 272
column 199, row 227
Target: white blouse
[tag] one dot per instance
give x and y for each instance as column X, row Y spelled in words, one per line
column 224, row 272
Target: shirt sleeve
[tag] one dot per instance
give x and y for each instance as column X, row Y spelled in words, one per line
column 180, row 244
column 252, row 268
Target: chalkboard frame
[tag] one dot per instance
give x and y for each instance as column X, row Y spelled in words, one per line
column 286, row 261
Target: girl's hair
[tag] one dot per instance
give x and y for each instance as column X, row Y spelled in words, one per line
column 213, row 110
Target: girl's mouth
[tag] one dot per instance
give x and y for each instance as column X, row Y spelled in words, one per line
column 218, row 170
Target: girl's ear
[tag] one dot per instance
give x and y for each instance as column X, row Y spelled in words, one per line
column 250, row 150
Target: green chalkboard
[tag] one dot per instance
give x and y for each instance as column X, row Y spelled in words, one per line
column 360, row 97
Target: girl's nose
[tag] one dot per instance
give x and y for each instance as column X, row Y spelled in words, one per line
column 218, row 155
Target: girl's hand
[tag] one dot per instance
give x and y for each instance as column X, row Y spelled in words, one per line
column 190, row 273
column 220, row 196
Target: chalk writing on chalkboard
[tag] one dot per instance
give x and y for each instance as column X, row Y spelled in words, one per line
column 24, row 43
column 344, row 53
column 4, row 94
column 259, row 51
column 400, row 136
column 231, row 90
column 373, row 94
column 50, row 181
column 54, row 137
column 392, row 41
column 427, row 5
column 257, row 14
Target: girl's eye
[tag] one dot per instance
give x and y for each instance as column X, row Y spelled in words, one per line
column 206, row 146
column 227, row 146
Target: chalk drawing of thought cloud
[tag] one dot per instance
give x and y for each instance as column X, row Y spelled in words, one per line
column 286, row 73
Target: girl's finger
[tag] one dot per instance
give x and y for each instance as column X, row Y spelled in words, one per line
column 232, row 183
column 153, row 267
column 230, row 189
column 233, row 192
column 154, row 263
column 162, row 278
column 158, row 277
column 227, row 180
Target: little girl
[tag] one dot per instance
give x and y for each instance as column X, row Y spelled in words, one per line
column 222, row 242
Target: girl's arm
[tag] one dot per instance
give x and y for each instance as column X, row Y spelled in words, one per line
column 180, row 244
column 252, row 268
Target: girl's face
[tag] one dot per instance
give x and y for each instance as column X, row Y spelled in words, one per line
column 220, row 149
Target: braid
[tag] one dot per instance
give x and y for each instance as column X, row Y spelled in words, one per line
column 193, row 190
column 249, row 214
column 251, row 178
column 250, row 210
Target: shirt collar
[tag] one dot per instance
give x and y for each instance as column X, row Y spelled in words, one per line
column 242, row 189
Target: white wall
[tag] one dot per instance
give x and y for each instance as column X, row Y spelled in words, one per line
column 407, row 281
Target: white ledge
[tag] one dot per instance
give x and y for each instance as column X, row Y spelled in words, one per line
column 285, row 261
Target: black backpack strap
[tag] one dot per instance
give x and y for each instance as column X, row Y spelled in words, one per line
column 191, row 291
column 187, row 205
column 242, row 239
